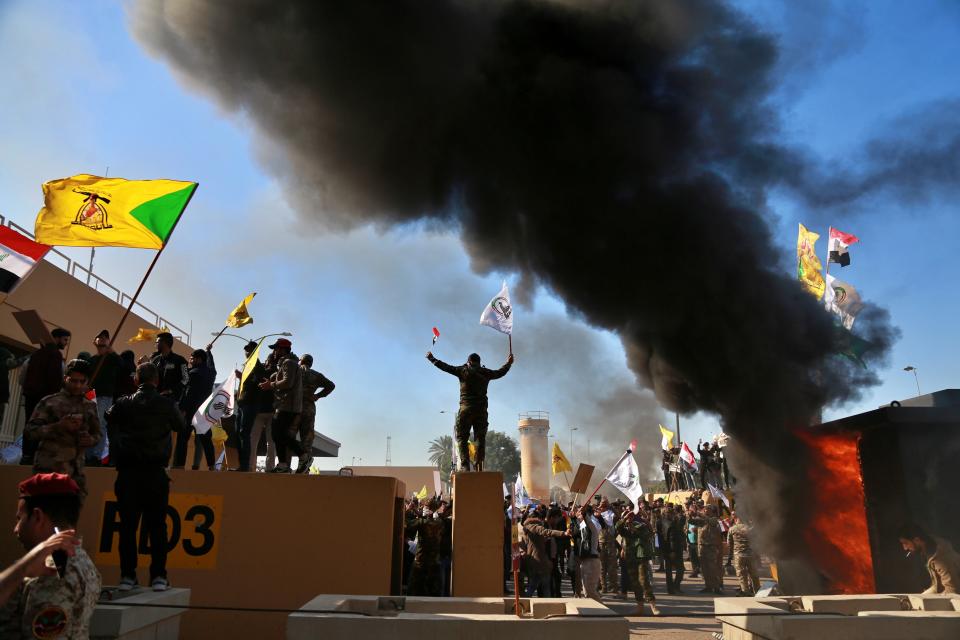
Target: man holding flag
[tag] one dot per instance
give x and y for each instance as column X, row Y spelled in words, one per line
column 473, row 403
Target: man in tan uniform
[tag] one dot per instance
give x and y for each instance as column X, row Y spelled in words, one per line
column 744, row 560
column 710, row 545
column 943, row 562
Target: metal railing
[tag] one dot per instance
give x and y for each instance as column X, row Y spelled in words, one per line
column 101, row 286
column 535, row 415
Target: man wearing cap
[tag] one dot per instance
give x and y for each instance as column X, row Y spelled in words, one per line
column 710, row 543
column 286, row 382
column 44, row 376
column 315, row 386
column 473, row 403
column 64, row 425
column 51, row 606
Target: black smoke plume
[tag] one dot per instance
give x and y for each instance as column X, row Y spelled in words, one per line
column 616, row 153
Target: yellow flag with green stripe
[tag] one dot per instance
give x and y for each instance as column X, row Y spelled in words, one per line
column 90, row 211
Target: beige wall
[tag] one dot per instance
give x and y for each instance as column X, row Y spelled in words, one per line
column 414, row 477
column 63, row 301
column 478, row 521
column 251, row 540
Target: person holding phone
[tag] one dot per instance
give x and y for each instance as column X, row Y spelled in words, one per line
column 44, row 603
column 64, row 425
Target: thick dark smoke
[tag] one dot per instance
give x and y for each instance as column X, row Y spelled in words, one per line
column 616, row 153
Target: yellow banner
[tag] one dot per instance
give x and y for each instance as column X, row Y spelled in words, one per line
column 560, row 463
column 193, row 532
column 809, row 267
column 240, row 317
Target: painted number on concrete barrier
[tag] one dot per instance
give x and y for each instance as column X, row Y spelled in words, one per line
column 193, row 532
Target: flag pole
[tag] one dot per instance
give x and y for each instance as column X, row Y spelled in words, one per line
column 133, row 300
column 628, row 451
column 216, row 337
column 515, row 553
column 510, row 342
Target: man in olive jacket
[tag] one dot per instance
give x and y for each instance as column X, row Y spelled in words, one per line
column 638, row 551
column 473, row 403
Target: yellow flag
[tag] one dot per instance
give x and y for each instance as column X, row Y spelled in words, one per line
column 90, row 211
column 472, row 449
column 809, row 267
column 422, row 494
column 239, row 316
column 666, row 441
column 147, row 335
column 560, row 462
column 250, row 363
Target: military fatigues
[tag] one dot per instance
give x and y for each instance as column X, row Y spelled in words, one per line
column 738, row 537
column 608, row 556
column 638, row 541
column 58, row 450
column 710, row 545
column 54, row 607
column 286, row 381
column 473, row 405
column 426, row 577
column 312, row 380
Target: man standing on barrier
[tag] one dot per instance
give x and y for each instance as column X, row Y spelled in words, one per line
column 143, row 424
column 286, row 381
column 312, row 381
column 473, row 403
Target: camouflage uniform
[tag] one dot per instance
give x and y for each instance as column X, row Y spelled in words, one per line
column 51, row 607
column 312, row 380
column 426, row 577
column 609, row 567
column 58, row 449
column 711, row 554
column 638, row 541
column 473, row 405
column 738, row 537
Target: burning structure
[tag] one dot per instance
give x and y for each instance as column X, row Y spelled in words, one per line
column 874, row 473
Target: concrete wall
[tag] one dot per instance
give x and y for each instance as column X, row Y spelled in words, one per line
column 251, row 540
column 477, row 534
column 535, row 457
column 76, row 307
column 414, row 477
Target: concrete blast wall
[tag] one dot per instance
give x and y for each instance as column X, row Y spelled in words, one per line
column 534, row 455
column 245, row 541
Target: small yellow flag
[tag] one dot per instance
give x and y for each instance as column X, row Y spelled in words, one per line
column 560, row 463
column 422, row 494
column 666, row 441
column 90, row 211
column 809, row 267
column 250, row 363
column 472, row 449
column 239, row 317
column 147, row 335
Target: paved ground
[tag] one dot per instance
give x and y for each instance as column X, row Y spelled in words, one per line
column 688, row 616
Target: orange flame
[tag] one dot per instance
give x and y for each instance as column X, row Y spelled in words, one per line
column 837, row 534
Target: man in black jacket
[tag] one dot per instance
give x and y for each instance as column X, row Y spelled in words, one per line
column 473, row 403
column 201, row 378
column 171, row 367
column 143, row 424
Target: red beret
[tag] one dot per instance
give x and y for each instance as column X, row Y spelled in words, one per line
column 48, row 484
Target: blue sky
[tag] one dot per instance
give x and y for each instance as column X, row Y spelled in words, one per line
column 81, row 96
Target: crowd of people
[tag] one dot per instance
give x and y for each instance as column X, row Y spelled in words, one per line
column 601, row 548
column 140, row 422
column 710, row 470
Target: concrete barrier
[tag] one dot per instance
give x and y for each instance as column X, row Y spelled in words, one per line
column 478, row 534
column 245, row 541
column 125, row 617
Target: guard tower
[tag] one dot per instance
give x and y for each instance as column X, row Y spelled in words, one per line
column 535, row 454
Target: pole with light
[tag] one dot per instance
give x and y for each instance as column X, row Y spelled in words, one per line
column 911, row 368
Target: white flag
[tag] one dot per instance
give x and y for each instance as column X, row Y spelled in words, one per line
column 520, row 493
column 842, row 299
column 719, row 495
column 499, row 314
column 625, row 476
column 219, row 405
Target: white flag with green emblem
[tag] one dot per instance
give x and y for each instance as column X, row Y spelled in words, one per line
column 499, row 314
column 625, row 476
column 219, row 405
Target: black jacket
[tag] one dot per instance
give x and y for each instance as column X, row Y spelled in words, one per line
column 200, row 381
column 173, row 374
column 143, row 423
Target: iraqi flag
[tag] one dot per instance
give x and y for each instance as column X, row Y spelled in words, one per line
column 18, row 257
column 837, row 245
column 686, row 454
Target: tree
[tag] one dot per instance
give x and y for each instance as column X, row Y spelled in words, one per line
column 503, row 455
column 441, row 453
